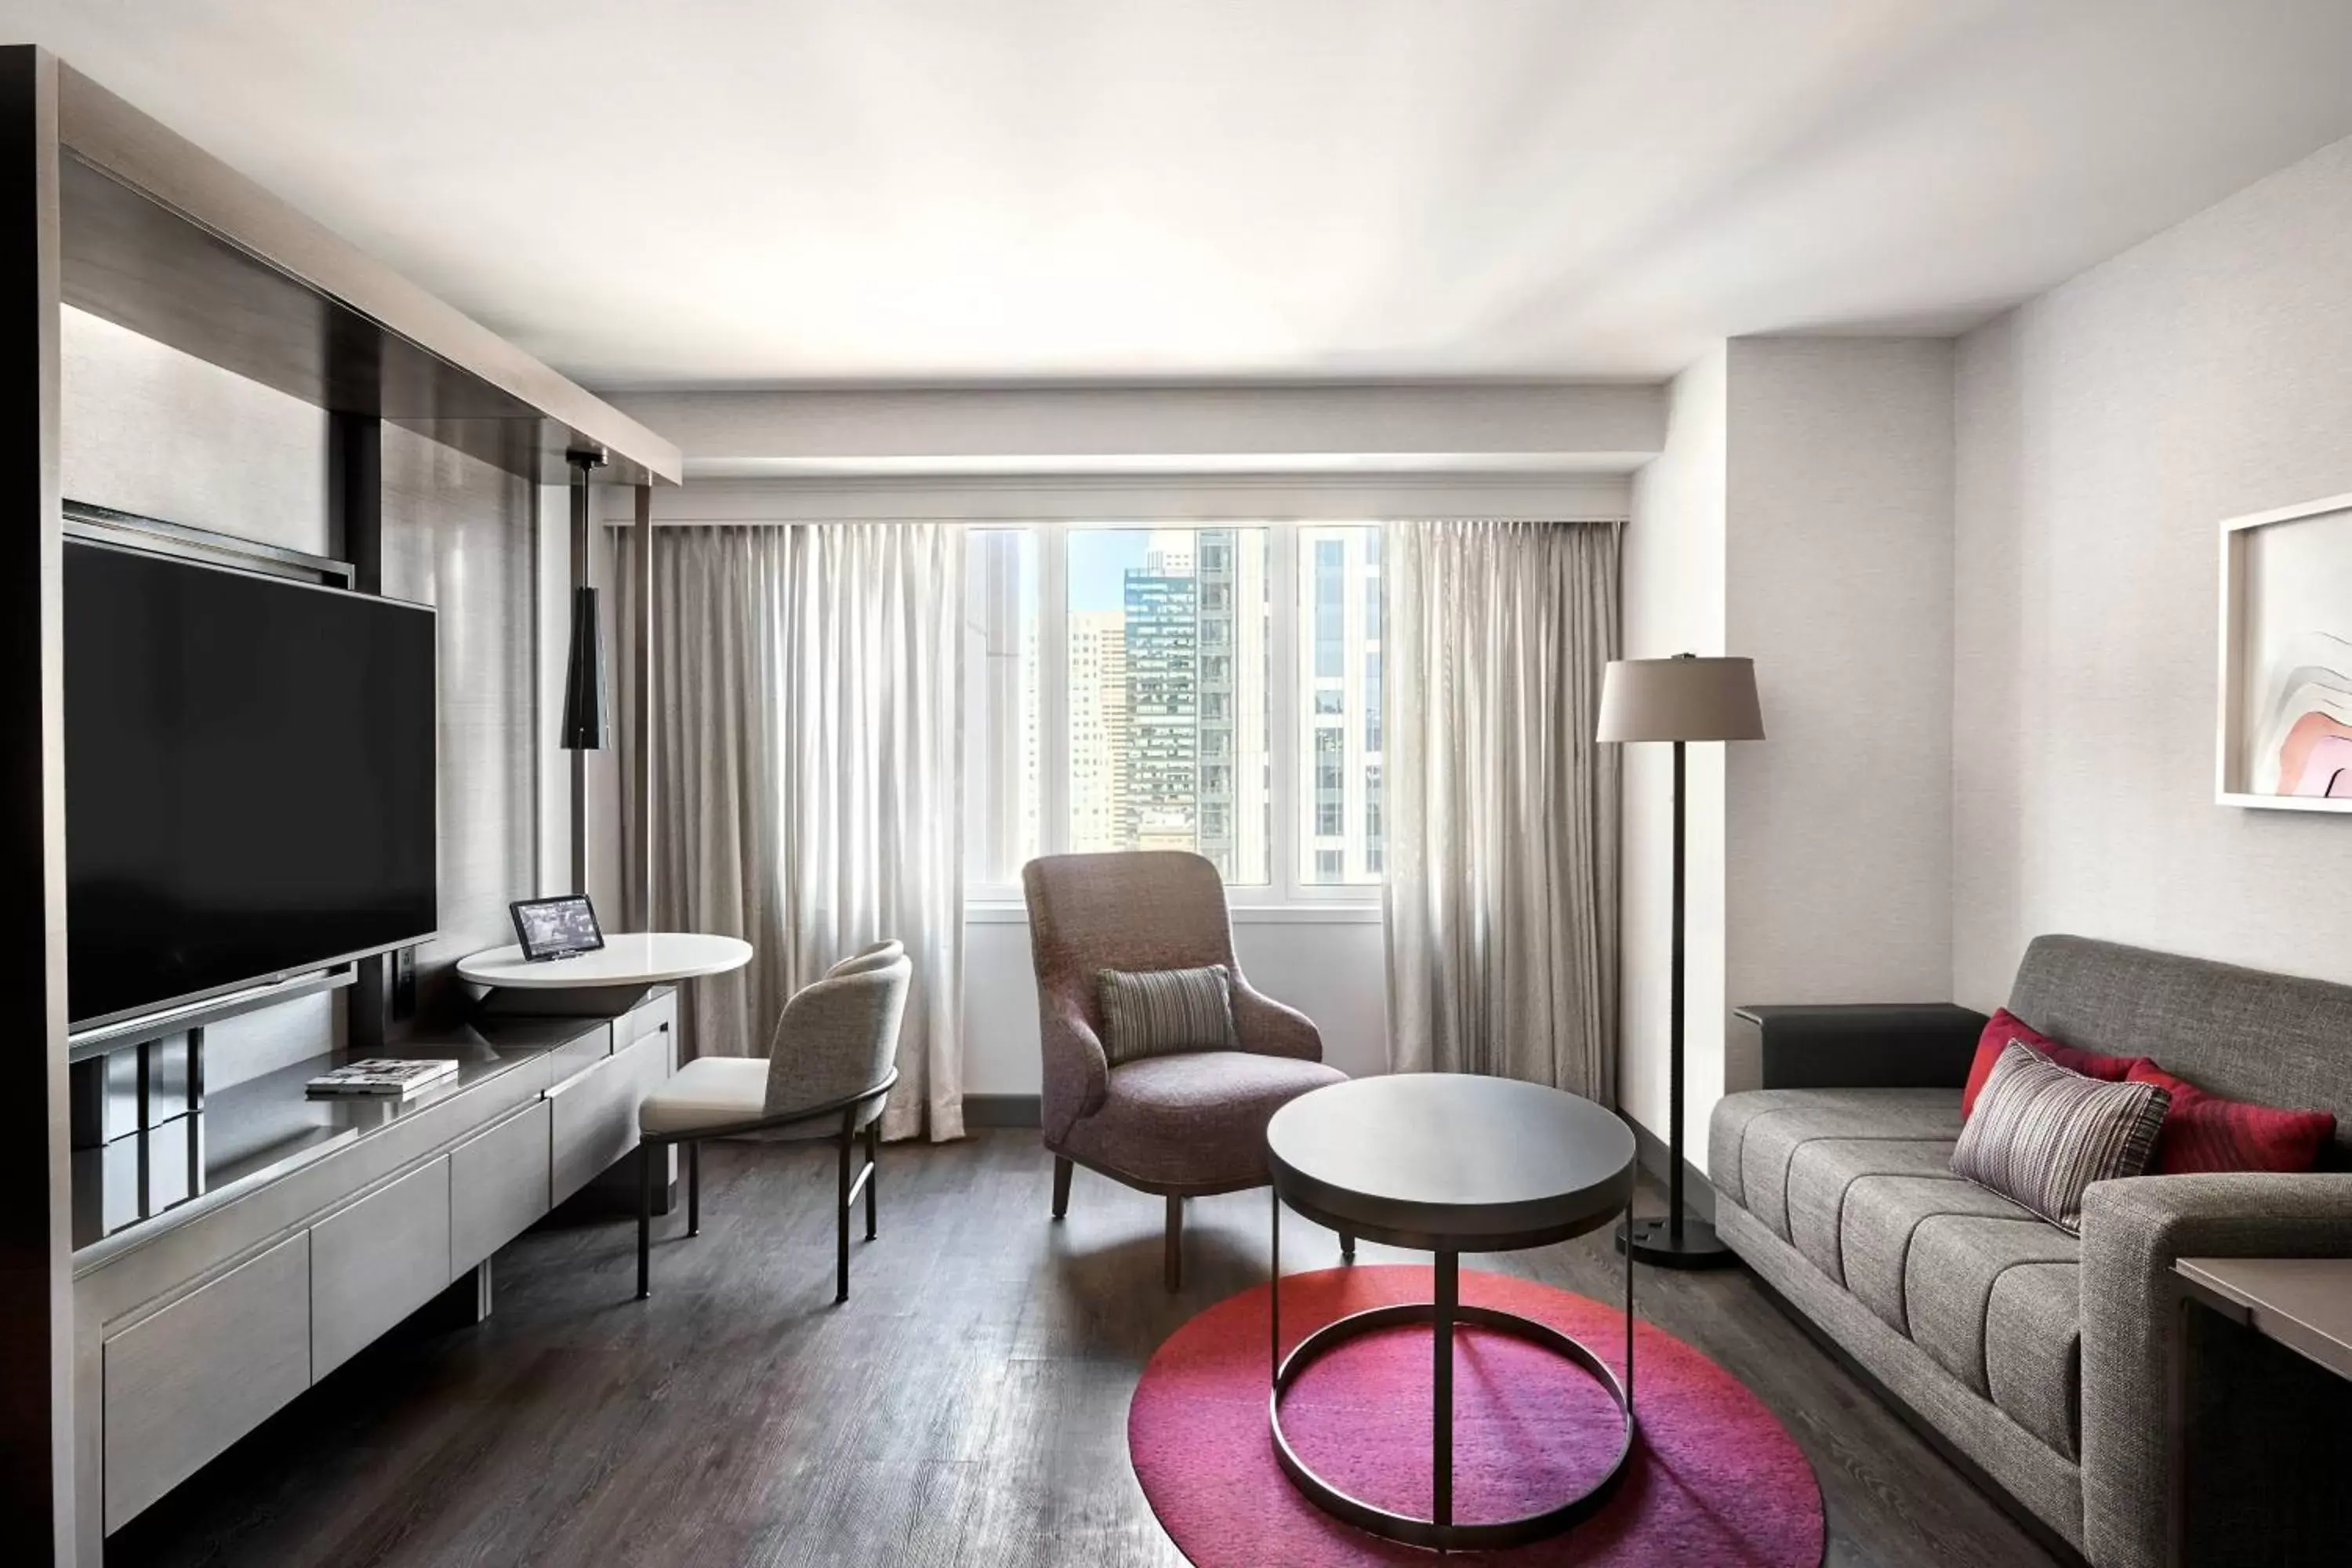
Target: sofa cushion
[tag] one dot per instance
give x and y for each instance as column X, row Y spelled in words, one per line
column 2033, row 1351
column 1882, row 1216
column 2204, row 1133
column 1949, row 1282
column 2005, row 1026
column 1824, row 1173
column 1753, row 1136
column 2041, row 1134
column 1162, row 1012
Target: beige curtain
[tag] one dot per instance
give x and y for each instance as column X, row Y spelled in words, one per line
column 808, row 774
column 1501, row 901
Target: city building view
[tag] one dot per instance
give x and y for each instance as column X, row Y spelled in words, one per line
column 1168, row 690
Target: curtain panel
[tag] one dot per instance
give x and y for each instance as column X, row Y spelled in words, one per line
column 1501, row 900
column 807, row 740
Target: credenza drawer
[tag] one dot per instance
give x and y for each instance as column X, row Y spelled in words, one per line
column 596, row 1112
column 497, row 1186
column 656, row 1015
column 186, row 1382
column 377, row 1261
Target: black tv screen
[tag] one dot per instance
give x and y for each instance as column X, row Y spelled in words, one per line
column 249, row 778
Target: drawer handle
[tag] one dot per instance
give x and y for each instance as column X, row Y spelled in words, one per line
column 554, row 1089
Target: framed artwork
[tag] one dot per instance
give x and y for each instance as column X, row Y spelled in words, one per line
column 2286, row 658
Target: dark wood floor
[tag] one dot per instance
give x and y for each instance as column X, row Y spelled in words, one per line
column 968, row 1406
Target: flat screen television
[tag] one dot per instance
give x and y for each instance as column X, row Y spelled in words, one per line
column 249, row 779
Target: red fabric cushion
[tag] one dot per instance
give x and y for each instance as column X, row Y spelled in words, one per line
column 2006, row 1027
column 2206, row 1133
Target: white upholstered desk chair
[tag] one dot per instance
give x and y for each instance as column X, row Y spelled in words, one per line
column 828, row 1074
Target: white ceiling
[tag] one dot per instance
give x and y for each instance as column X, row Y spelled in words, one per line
column 759, row 192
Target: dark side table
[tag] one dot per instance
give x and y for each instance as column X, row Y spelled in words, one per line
column 1448, row 1164
column 2302, row 1303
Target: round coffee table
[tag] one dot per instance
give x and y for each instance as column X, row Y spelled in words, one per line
column 1448, row 1164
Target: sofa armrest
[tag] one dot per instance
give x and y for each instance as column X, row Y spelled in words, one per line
column 1865, row 1044
column 2133, row 1232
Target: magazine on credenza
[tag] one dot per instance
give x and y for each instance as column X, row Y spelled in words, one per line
column 380, row 1078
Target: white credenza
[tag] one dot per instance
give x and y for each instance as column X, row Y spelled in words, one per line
column 194, row 1326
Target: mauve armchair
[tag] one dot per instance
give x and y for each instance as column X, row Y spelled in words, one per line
column 1183, row 1125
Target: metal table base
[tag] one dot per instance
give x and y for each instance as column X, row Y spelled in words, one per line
column 1444, row 1315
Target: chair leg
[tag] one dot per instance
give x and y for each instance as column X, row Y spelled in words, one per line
column 645, row 1219
column 1174, row 1268
column 841, row 1220
column 873, row 1177
column 1348, row 1246
column 1060, row 1186
column 694, row 1188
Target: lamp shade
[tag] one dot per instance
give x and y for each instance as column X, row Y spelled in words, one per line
column 1684, row 699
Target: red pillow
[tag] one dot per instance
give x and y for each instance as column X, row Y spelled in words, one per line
column 2206, row 1133
column 2006, row 1027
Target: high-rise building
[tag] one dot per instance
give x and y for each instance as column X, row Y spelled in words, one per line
column 1163, row 675
column 1340, row 666
column 1098, row 729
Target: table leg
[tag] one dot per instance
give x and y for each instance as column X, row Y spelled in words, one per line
column 1449, row 1285
column 1274, row 1297
column 1628, row 1309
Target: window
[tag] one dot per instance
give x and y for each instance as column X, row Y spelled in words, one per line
column 1330, row 605
column 1143, row 688
column 1000, row 674
column 1340, row 654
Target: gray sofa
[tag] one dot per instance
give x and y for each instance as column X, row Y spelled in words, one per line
column 2041, row 1359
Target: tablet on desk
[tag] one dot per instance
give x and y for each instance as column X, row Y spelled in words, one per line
column 556, row 928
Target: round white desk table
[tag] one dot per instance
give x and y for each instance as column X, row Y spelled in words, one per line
column 633, row 958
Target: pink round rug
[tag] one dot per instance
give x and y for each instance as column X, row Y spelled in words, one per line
column 1714, row 1478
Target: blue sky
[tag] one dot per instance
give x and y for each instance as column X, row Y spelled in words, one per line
column 1099, row 559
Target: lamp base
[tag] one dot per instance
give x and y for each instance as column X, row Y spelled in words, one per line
column 1652, row 1240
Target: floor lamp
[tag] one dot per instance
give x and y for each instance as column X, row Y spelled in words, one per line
column 1681, row 699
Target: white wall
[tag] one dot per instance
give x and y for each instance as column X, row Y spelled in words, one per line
column 1800, row 515
column 2104, row 430
column 1673, row 577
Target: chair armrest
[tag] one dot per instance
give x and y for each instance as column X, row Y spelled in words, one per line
column 1270, row 1029
column 2133, row 1232
column 1077, row 1074
column 1865, row 1044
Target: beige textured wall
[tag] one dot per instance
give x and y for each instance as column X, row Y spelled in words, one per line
column 1840, row 547
column 2104, row 430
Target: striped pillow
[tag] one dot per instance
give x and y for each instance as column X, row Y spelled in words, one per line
column 1166, row 1010
column 2040, row 1134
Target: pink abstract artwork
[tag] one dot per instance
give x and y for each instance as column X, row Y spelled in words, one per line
column 2291, row 626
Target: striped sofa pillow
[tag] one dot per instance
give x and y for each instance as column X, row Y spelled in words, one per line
column 2040, row 1134
column 1163, row 1011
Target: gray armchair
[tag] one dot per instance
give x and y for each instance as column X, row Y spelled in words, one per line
column 828, row 1073
column 1184, row 1125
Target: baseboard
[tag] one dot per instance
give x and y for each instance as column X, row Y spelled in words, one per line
column 984, row 1110
column 1651, row 1152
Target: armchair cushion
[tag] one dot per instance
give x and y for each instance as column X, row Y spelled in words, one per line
column 1195, row 1120
column 1163, row 1011
column 728, row 1092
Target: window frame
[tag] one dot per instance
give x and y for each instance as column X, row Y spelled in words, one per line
column 1286, row 892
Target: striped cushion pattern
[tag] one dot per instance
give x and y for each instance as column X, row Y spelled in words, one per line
column 2040, row 1134
column 1162, row 1011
